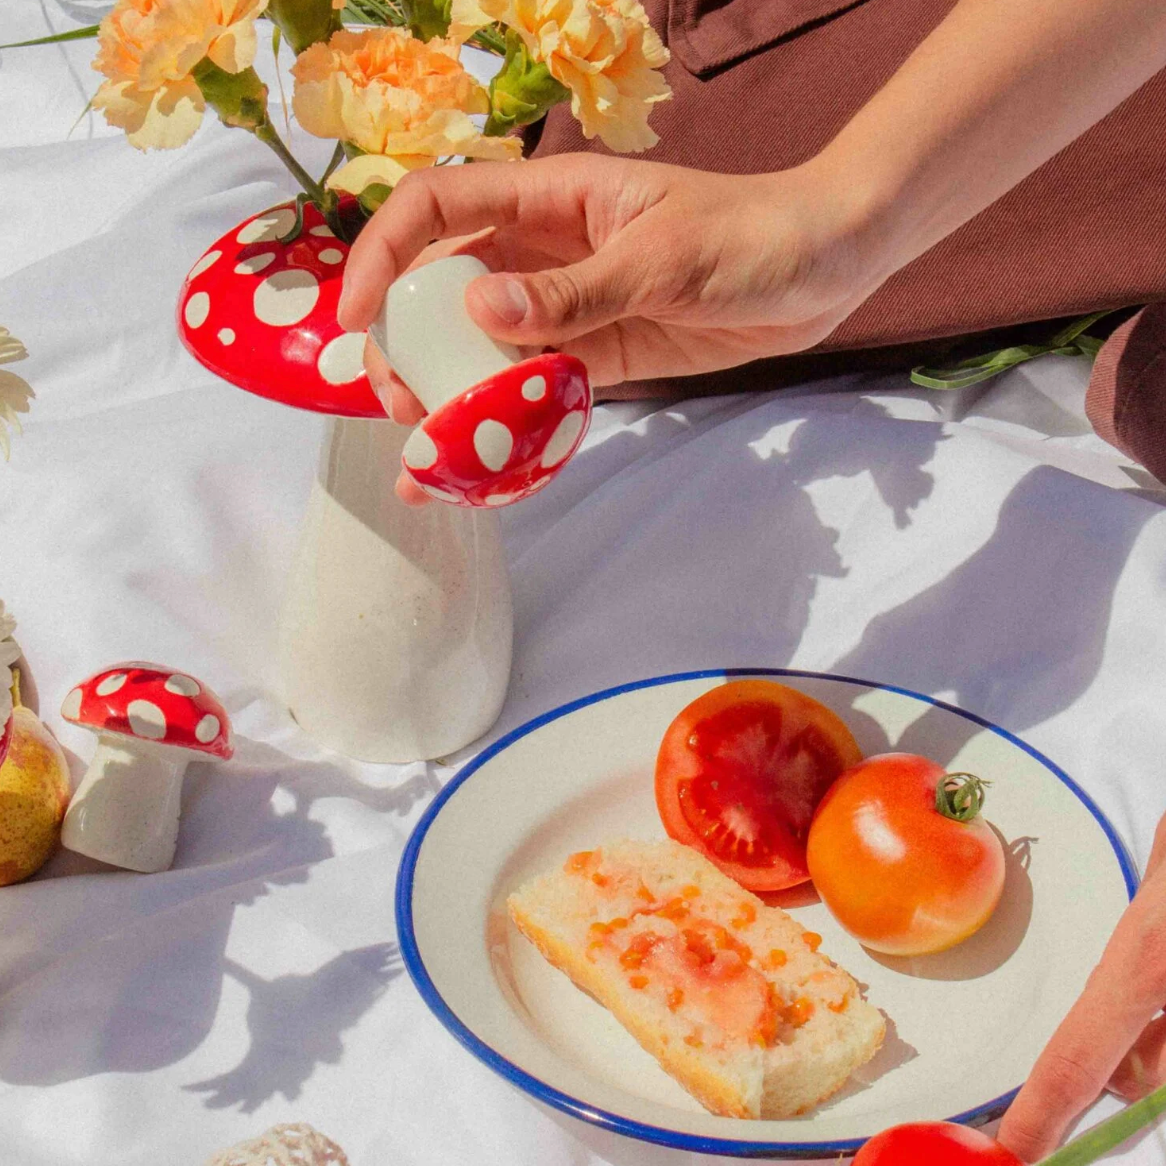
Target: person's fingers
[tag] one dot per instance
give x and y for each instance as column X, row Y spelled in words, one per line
column 410, row 493
column 399, row 402
column 377, row 369
column 1123, row 994
column 434, row 204
column 552, row 306
column 1143, row 1068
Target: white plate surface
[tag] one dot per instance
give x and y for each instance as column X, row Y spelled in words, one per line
column 965, row 1027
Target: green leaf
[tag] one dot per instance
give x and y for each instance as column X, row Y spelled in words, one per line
column 86, row 33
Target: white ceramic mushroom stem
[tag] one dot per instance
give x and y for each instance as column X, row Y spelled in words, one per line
column 125, row 811
column 426, row 334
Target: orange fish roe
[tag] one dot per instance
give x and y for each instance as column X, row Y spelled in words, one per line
column 746, row 914
column 674, row 909
column 599, row 930
column 812, row 940
column 675, row 999
column 765, row 1032
column 638, row 982
column 645, row 894
column 776, row 958
column 618, row 922
column 579, row 862
column 840, row 1005
column 694, row 1040
column 698, row 946
column 638, row 950
column 799, row 1012
column 600, row 880
column 690, row 892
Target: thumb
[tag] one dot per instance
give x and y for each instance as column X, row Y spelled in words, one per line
column 550, row 307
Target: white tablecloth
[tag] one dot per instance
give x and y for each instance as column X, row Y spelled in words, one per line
column 983, row 546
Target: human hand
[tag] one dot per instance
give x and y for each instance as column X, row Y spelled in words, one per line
column 1113, row 1036
column 639, row 269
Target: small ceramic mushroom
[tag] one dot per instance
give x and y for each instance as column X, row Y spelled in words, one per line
column 498, row 427
column 151, row 723
column 261, row 314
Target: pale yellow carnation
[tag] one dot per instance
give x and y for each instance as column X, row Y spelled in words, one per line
column 15, row 393
column 147, row 49
column 604, row 51
column 403, row 101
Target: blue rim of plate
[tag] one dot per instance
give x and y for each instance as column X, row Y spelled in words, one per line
column 548, row 1094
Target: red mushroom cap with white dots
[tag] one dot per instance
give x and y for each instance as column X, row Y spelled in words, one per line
column 506, row 437
column 261, row 314
column 152, row 705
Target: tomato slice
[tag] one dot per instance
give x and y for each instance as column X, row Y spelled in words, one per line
column 740, row 772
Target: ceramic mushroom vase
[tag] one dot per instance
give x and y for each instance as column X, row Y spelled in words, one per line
column 498, row 427
column 151, row 722
column 396, row 629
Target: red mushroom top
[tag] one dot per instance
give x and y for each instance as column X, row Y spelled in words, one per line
column 5, row 738
column 262, row 314
column 506, row 437
column 148, row 703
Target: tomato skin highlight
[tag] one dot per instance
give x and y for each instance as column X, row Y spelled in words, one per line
column 898, row 875
column 934, row 1143
column 740, row 772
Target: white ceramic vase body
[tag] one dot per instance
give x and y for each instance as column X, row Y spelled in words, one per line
column 396, row 631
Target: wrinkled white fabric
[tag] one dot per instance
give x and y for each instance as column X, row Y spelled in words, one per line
column 983, row 546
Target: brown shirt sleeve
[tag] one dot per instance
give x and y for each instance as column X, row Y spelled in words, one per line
column 1126, row 400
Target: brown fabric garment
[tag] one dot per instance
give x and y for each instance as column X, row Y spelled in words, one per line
column 1126, row 400
column 762, row 85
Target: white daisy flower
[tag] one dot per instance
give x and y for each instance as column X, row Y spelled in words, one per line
column 15, row 392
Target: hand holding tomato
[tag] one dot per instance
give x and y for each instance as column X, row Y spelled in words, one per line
column 901, row 857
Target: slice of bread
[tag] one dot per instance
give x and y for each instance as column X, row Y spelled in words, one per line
column 731, row 997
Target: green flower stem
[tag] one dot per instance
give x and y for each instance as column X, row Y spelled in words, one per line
column 86, row 33
column 322, row 197
column 1103, row 1137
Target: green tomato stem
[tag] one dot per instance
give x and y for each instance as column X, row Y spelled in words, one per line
column 960, row 796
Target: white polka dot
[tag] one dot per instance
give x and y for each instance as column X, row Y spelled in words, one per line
column 493, row 443
column 198, row 307
column 146, row 720
column 226, row 335
column 182, row 685
column 286, row 297
column 207, row 729
column 342, row 360
column 323, row 230
column 255, row 264
column 441, row 495
column 111, row 684
column 499, row 499
column 267, row 227
column 563, row 439
column 534, row 388
column 331, row 255
column 71, row 709
column 420, row 451
column 208, row 260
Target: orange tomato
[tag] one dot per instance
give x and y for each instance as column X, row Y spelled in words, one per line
column 897, row 871
column 739, row 773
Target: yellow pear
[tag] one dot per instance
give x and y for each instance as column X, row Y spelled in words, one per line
column 34, row 793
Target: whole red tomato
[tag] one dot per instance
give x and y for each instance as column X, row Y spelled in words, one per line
column 900, row 855
column 740, row 772
column 934, row 1143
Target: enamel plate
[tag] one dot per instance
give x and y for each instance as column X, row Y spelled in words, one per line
column 965, row 1025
